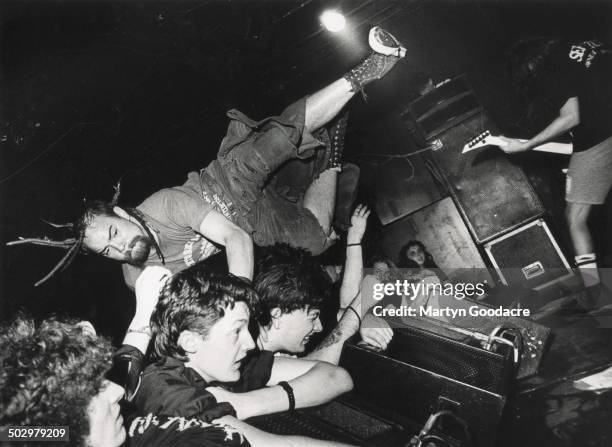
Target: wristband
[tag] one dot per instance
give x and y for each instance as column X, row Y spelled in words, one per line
column 354, row 245
column 356, row 313
column 140, row 330
column 290, row 395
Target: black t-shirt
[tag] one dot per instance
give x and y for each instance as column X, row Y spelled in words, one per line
column 255, row 371
column 169, row 387
column 584, row 70
column 170, row 431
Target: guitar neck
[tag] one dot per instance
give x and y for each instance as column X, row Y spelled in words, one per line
column 551, row 147
column 555, row 148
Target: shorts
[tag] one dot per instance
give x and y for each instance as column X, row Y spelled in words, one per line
column 589, row 177
column 250, row 155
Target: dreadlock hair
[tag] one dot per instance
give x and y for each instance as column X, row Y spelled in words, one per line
column 194, row 300
column 49, row 372
column 102, row 208
column 289, row 278
column 75, row 244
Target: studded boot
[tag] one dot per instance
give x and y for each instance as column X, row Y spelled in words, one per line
column 336, row 143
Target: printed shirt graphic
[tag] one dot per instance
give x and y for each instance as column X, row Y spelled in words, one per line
column 584, row 72
column 153, row 431
column 175, row 215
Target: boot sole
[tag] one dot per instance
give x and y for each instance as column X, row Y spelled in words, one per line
column 379, row 47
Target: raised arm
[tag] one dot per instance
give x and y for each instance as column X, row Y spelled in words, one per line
column 304, row 376
column 353, row 266
column 238, row 244
column 569, row 117
column 147, row 288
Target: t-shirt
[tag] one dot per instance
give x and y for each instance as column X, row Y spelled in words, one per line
column 170, row 431
column 171, row 388
column 175, row 215
column 584, row 70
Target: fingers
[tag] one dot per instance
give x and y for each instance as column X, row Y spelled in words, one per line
column 361, row 211
column 377, row 336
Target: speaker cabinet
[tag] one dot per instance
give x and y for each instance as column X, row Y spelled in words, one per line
column 529, row 257
column 493, row 194
column 442, row 107
column 440, row 227
column 403, row 187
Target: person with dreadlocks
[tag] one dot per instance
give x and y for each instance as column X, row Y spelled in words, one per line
column 236, row 201
column 571, row 82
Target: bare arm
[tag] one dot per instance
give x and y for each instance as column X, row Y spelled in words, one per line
column 304, row 376
column 330, row 349
column 374, row 330
column 353, row 266
column 260, row 438
column 147, row 288
column 238, row 244
column 569, row 117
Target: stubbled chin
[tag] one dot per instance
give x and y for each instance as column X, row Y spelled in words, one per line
column 140, row 253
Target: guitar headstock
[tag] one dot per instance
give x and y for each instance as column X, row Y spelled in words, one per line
column 480, row 140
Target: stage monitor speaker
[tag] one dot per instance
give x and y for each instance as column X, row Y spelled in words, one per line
column 419, row 368
column 529, row 257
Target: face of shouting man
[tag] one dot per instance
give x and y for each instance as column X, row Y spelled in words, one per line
column 294, row 329
column 118, row 237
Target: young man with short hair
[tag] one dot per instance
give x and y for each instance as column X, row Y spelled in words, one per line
column 200, row 334
column 293, row 288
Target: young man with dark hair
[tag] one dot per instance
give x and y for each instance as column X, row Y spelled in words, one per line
column 571, row 79
column 234, row 202
column 55, row 374
column 200, row 334
column 293, row 287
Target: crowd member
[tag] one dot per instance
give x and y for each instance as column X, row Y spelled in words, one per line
column 229, row 202
column 414, row 255
column 200, row 335
column 384, row 271
column 54, row 373
column 41, row 385
column 571, row 79
column 293, row 288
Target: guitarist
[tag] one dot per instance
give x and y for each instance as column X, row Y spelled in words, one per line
column 573, row 79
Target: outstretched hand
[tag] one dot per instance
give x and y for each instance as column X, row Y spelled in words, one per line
column 376, row 331
column 147, row 287
column 359, row 221
column 514, row 145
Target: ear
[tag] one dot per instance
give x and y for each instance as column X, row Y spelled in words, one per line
column 276, row 314
column 188, row 341
column 121, row 212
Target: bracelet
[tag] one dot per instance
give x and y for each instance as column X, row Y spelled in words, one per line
column 356, row 313
column 140, row 330
column 290, row 395
column 354, row 245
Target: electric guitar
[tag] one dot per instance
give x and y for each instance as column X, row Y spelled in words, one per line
column 486, row 139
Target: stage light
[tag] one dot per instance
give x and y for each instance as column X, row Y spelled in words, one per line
column 333, row 20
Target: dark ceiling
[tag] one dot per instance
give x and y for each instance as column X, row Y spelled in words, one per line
column 94, row 91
